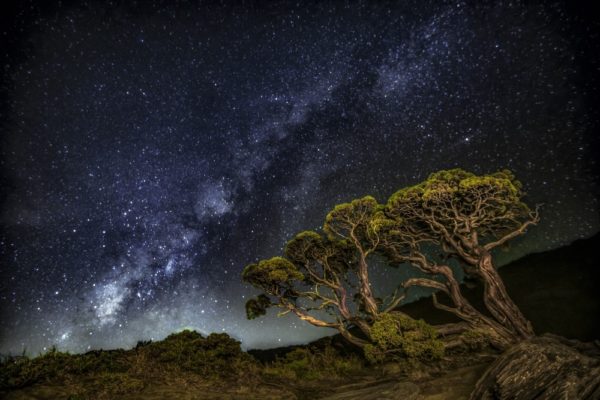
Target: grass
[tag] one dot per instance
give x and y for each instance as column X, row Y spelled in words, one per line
column 190, row 365
column 182, row 361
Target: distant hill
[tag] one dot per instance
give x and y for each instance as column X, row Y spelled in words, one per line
column 558, row 290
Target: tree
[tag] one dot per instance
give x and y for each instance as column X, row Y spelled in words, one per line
column 323, row 278
column 404, row 244
column 310, row 281
column 469, row 216
column 326, row 274
column 355, row 222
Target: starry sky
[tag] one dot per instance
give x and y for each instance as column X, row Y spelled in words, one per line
column 150, row 150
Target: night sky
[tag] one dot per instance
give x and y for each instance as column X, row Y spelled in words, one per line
column 150, row 151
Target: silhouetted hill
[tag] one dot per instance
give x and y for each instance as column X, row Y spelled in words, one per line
column 558, row 290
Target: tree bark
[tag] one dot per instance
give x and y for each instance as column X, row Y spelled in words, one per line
column 498, row 302
column 365, row 288
column 351, row 338
column 498, row 334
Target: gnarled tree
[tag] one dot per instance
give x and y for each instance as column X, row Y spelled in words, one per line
column 403, row 244
column 357, row 223
column 468, row 216
column 310, row 282
column 334, row 275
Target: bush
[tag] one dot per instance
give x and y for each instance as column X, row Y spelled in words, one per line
column 218, row 354
column 23, row 371
column 313, row 364
column 396, row 336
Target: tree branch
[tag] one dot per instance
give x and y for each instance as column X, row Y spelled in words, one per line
column 430, row 283
column 521, row 230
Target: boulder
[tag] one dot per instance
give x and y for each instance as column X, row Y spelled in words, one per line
column 546, row 367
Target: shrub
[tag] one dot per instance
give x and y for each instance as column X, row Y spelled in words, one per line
column 218, row 354
column 396, row 336
column 313, row 364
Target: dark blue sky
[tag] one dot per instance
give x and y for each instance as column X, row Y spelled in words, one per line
column 151, row 151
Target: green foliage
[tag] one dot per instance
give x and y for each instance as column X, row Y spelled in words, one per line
column 313, row 364
column 22, row 371
column 397, row 336
column 258, row 306
column 491, row 204
column 272, row 273
column 352, row 218
column 114, row 371
column 309, row 249
column 217, row 354
column 305, row 247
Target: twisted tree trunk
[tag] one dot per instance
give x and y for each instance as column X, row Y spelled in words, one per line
column 365, row 291
column 498, row 302
column 499, row 336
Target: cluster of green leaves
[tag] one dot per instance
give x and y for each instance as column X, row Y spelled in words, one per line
column 492, row 202
column 273, row 273
column 396, row 336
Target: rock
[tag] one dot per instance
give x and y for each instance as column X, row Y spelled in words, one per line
column 546, row 367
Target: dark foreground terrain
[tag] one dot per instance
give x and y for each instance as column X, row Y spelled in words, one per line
column 557, row 291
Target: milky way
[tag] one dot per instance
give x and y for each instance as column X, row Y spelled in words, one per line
column 150, row 152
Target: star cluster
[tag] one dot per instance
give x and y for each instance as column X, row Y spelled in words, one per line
column 150, row 151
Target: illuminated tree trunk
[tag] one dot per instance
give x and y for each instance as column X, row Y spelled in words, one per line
column 365, row 289
column 352, row 339
column 497, row 300
column 498, row 334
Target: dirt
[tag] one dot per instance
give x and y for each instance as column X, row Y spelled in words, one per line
column 454, row 385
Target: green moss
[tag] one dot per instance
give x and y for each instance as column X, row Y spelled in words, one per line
column 474, row 340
